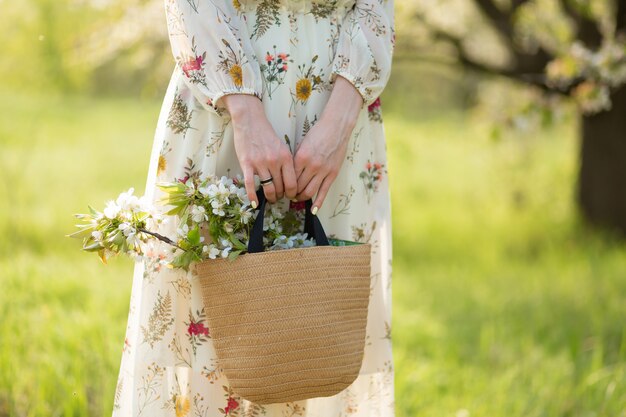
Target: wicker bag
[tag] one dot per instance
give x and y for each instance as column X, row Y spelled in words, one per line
column 288, row 324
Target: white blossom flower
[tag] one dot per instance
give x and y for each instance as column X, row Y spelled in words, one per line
column 128, row 201
column 295, row 241
column 198, row 213
column 218, row 208
column 133, row 240
column 111, row 210
column 223, row 193
column 228, row 182
column 242, row 195
column 214, row 251
column 127, row 228
column 222, row 200
column 205, row 190
column 282, row 242
column 246, row 215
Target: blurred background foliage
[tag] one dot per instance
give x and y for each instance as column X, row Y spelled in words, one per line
column 507, row 140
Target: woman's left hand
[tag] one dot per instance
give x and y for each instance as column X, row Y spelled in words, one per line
column 321, row 152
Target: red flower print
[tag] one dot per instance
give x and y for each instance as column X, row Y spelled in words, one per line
column 274, row 69
column 192, row 65
column 298, row 205
column 232, row 405
column 374, row 105
column 195, row 329
column 371, row 176
column 203, row 330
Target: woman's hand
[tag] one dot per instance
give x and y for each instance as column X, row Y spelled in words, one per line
column 320, row 154
column 259, row 150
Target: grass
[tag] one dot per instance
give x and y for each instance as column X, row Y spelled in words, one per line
column 504, row 303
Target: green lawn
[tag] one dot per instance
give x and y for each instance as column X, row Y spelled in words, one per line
column 504, row 304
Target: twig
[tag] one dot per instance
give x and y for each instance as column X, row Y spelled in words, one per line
column 161, row 237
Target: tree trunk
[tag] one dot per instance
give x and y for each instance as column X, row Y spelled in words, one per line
column 602, row 177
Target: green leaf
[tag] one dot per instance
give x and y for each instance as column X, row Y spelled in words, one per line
column 170, row 187
column 84, row 232
column 236, row 242
column 184, row 260
column 184, row 218
column 174, row 211
column 233, row 255
column 102, row 255
column 96, row 246
column 194, row 236
column 117, row 239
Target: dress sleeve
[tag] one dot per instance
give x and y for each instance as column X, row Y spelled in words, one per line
column 212, row 48
column 365, row 47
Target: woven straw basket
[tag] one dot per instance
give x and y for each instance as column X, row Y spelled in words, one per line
column 288, row 324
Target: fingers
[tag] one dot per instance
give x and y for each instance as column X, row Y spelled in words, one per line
column 277, row 179
column 304, row 179
column 310, row 190
column 290, row 181
column 321, row 194
column 263, row 154
column 269, row 189
column 298, row 165
column 248, row 177
column 307, row 165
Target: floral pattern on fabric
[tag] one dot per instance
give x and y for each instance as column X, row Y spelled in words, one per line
column 287, row 53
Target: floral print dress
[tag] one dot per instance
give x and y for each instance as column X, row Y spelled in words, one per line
column 288, row 53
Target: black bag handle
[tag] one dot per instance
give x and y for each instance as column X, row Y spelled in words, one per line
column 312, row 226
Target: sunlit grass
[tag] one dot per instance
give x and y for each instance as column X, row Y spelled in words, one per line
column 504, row 303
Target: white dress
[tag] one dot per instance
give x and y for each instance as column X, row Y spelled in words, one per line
column 287, row 53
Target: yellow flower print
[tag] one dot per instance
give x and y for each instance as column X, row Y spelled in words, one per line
column 182, row 405
column 308, row 81
column 162, row 164
column 237, row 5
column 303, row 89
column 236, row 74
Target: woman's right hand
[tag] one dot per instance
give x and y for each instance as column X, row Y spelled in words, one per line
column 259, row 150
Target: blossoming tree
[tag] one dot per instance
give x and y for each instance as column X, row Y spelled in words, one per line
column 565, row 51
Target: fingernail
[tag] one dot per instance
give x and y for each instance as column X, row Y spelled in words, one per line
column 314, row 210
column 295, row 200
column 253, row 204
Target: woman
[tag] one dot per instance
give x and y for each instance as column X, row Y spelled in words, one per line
column 284, row 91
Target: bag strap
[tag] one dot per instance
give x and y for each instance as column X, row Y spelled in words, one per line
column 312, row 225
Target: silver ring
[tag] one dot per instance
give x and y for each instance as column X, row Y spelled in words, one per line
column 267, row 181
